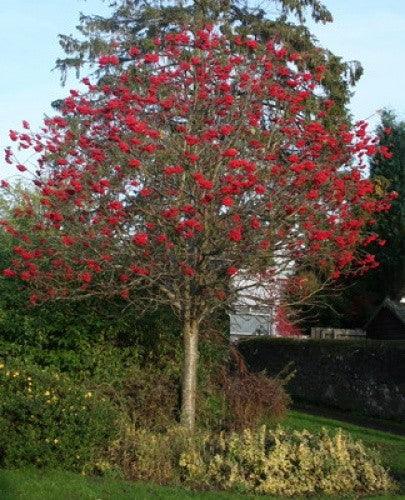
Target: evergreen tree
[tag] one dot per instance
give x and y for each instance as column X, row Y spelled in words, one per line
column 388, row 170
column 141, row 20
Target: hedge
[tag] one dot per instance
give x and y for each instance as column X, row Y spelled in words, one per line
column 365, row 376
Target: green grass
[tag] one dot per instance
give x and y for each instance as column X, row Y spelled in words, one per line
column 59, row 485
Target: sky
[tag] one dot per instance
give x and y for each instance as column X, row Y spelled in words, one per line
column 370, row 31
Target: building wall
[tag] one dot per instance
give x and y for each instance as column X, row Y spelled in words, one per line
column 250, row 323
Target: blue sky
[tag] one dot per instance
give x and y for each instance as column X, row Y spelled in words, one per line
column 373, row 32
column 368, row 30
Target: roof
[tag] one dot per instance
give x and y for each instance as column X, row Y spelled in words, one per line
column 396, row 308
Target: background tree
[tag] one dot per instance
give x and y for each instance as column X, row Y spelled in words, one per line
column 388, row 169
column 202, row 173
column 139, row 21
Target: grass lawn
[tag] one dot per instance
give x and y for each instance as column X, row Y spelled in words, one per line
column 56, row 485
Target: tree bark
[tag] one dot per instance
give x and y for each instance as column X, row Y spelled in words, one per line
column 189, row 382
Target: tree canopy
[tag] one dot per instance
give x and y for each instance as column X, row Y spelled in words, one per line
column 389, row 171
column 139, row 21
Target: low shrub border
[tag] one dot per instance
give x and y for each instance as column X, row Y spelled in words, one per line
column 365, row 376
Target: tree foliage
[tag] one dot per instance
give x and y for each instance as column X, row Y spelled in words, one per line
column 357, row 299
column 388, row 170
column 70, row 324
column 139, row 21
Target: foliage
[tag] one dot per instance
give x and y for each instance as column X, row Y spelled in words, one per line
column 149, row 456
column 154, row 220
column 366, row 377
column 261, row 461
column 125, row 387
column 391, row 446
column 253, row 398
column 96, row 363
column 139, row 22
column 142, row 388
column 144, row 385
column 46, row 420
column 290, row 464
column 149, row 397
column 359, row 298
column 67, row 325
column 389, row 171
column 48, row 485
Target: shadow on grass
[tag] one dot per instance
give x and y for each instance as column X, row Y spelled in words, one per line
column 379, row 424
column 6, row 489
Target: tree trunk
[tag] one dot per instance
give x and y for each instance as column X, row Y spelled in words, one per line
column 189, row 383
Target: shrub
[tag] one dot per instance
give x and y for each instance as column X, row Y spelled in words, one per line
column 47, row 420
column 252, row 398
column 101, row 362
column 261, row 461
column 285, row 463
column 149, row 456
column 233, row 398
column 149, row 397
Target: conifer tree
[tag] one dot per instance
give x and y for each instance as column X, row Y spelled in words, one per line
column 388, row 169
column 139, row 21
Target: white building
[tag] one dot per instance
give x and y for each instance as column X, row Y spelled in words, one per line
column 254, row 311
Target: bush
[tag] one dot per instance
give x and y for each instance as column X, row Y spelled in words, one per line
column 233, row 398
column 47, row 420
column 100, row 362
column 252, row 399
column 284, row 463
column 362, row 376
column 137, row 387
column 261, row 461
column 149, row 397
column 145, row 455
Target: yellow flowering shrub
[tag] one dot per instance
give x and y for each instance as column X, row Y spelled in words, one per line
column 48, row 420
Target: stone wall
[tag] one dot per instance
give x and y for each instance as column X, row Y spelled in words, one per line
column 363, row 376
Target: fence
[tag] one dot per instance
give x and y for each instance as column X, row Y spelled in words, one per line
column 337, row 333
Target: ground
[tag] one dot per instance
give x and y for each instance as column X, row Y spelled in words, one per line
column 34, row 485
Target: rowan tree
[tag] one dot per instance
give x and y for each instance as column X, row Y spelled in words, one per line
column 202, row 173
column 357, row 299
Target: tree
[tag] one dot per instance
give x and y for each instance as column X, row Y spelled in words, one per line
column 139, row 21
column 358, row 298
column 202, row 173
column 388, row 169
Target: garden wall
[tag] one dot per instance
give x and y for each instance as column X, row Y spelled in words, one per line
column 364, row 376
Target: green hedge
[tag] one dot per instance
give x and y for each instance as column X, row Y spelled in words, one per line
column 363, row 376
column 64, row 407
